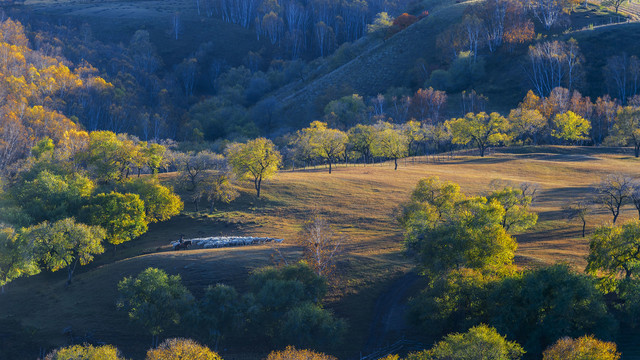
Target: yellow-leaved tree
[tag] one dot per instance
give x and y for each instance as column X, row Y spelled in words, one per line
column 482, row 129
column 254, row 160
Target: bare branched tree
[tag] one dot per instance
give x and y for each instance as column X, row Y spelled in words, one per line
column 321, row 245
column 578, row 210
column 614, row 192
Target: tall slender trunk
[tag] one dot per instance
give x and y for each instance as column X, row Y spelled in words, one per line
column 329, row 166
column 396, row 163
column 584, row 225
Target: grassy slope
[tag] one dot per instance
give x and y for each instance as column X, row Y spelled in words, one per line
column 359, row 200
column 382, row 64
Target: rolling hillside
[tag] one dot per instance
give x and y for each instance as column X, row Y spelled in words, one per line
column 359, row 201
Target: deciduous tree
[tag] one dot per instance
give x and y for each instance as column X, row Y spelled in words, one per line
column 482, row 129
column 583, row 348
column 65, row 244
column 181, row 349
column 256, row 160
column 154, row 300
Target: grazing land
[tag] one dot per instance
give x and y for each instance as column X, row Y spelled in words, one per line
column 359, row 200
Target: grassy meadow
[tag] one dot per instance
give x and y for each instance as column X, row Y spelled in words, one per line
column 358, row 200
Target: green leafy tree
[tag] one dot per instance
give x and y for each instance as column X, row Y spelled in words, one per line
column 360, row 139
column 287, row 306
column 65, row 244
column 219, row 311
column 583, row 348
column 17, row 257
column 432, row 200
column 219, row 189
column 154, row 300
column 53, row 197
column 43, row 147
column 390, row 143
column 256, row 160
column 309, row 325
column 626, row 129
column 482, row 129
column 571, row 127
column 451, row 303
column 109, row 156
column 181, row 349
column 448, row 232
column 121, row 215
column 479, row 343
column 540, row 306
column 517, row 215
column 85, row 352
column 160, row 202
column 328, row 144
column 527, row 125
column 615, row 251
column 346, row 111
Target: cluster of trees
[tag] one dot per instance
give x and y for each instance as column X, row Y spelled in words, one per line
column 63, row 203
column 490, row 24
column 485, row 343
column 316, row 27
column 283, row 303
column 174, row 349
column 465, row 247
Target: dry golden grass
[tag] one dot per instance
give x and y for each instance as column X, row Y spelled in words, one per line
column 358, row 200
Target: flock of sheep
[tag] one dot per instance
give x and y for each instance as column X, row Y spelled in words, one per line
column 222, row 241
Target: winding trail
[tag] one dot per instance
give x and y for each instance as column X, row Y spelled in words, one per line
column 389, row 313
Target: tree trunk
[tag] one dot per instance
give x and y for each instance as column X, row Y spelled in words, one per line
column 482, row 149
column 584, row 225
column 258, row 184
column 395, row 160
column 196, row 204
column 637, row 150
column 329, row 166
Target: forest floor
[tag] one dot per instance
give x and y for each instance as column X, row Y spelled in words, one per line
column 360, row 201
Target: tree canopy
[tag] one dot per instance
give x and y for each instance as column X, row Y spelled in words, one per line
column 256, row 160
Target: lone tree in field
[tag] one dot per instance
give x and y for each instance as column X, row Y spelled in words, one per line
column 390, row 143
column 615, row 250
column 154, row 300
column 615, row 3
column 256, row 160
column 482, row 129
column 321, row 245
column 578, row 210
column 571, row 127
column 614, row 192
column 65, row 244
column 583, row 348
column 626, row 130
column 17, row 257
column 635, row 196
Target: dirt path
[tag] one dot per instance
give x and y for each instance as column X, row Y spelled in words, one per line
column 389, row 314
